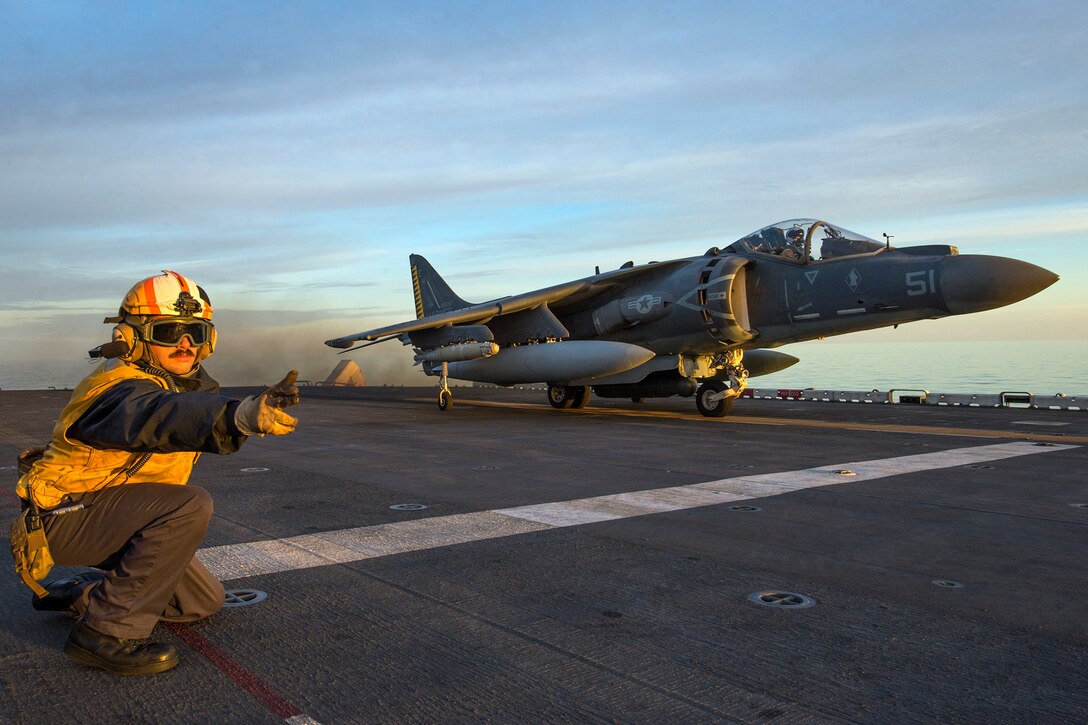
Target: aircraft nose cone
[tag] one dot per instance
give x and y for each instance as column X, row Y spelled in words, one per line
column 974, row 282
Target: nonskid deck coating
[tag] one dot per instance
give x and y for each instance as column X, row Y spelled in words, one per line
column 633, row 619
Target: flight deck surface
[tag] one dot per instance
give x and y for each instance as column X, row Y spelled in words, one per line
column 606, row 565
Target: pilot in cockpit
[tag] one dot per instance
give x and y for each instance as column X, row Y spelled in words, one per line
column 795, row 243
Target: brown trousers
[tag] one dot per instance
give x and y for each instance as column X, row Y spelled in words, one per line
column 145, row 536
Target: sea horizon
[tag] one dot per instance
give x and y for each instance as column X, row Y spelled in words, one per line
column 1042, row 367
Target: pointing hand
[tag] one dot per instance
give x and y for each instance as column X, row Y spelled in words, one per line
column 283, row 394
column 262, row 414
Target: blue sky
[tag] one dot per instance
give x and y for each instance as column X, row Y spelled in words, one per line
column 289, row 156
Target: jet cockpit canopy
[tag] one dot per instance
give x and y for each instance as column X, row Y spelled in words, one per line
column 804, row 240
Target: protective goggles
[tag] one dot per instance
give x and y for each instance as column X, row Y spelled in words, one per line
column 171, row 332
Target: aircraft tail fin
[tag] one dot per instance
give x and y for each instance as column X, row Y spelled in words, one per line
column 432, row 295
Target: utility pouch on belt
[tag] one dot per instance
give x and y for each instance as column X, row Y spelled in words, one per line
column 29, row 549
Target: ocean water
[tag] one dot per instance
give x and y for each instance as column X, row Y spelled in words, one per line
column 1041, row 367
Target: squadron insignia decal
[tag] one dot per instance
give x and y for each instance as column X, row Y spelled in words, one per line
column 853, row 280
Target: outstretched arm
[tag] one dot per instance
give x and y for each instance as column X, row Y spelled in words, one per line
column 140, row 416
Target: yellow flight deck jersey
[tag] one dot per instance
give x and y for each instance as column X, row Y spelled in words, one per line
column 72, row 467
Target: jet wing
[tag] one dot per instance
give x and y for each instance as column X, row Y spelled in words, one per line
column 568, row 292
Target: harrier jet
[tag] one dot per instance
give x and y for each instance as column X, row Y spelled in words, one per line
column 699, row 326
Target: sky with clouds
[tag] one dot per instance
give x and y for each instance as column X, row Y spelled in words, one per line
column 289, row 156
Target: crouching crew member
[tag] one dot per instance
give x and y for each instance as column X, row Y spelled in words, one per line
column 111, row 484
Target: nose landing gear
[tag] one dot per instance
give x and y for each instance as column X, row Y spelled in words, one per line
column 714, row 398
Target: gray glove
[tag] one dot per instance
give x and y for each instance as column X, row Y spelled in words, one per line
column 263, row 414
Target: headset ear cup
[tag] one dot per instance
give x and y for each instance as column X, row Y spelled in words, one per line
column 209, row 347
column 136, row 347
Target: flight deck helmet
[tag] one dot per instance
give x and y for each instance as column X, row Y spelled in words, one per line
column 163, row 310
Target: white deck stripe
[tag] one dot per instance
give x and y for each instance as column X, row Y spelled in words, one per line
column 235, row 561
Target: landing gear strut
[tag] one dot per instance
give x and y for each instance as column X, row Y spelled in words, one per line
column 445, row 395
column 714, row 398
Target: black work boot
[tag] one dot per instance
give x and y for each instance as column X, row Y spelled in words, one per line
column 119, row 656
column 63, row 593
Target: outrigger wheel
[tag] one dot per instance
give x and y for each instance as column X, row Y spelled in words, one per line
column 445, row 395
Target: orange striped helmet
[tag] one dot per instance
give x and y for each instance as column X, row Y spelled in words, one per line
column 169, row 293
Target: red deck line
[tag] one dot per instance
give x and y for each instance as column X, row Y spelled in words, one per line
column 241, row 676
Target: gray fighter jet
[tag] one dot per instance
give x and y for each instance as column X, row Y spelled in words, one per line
column 698, row 326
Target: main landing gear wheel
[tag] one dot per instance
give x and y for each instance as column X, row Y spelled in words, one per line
column 568, row 396
column 560, row 396
column 708, row 402
column 579, row 395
